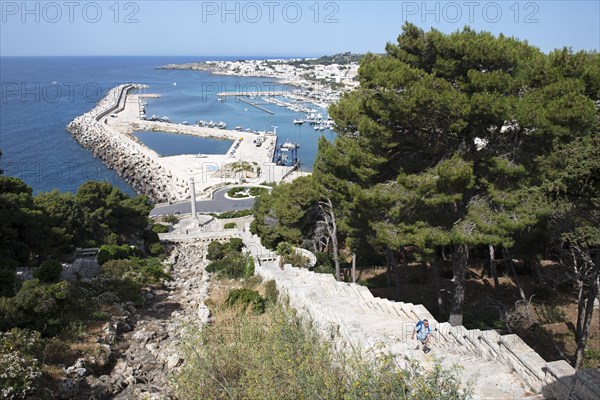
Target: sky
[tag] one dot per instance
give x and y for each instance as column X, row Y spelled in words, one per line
column 276, row 28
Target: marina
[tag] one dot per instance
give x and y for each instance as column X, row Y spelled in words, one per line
column 242, row 157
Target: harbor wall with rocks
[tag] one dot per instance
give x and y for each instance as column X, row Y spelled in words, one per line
column 505, row 365
column 134, row 162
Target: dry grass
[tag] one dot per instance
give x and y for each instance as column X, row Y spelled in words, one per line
column 241, row 355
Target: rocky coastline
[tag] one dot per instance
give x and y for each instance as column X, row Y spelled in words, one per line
column 127, row 157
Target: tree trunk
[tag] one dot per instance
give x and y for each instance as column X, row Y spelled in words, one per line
column 330, row 224
column 511, row 266
column 459, row 265
column 588, row 310
column 393, row 263
column 353, row 267
column 437, row 280
column 536, row 267
column 493, row 267
column 388, row 274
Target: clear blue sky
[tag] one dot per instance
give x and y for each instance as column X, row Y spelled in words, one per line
column 269, row 28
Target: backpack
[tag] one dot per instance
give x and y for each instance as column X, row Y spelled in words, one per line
column 420, row 326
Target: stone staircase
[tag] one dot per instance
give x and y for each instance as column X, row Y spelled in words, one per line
column 497, row 366
column 355, row 319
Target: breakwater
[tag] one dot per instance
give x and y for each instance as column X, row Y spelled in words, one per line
column 138, row 165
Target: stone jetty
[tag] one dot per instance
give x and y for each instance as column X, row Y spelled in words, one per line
column 108, row 130
column 138, row 165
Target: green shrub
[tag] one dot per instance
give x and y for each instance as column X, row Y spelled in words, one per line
column 49, row 271
column 230, row 225
column 483, row 320
column 233, row 214
column 39, row 306
column 284, row 248
column 153, row 271
column 99, row 315
column 170, row 219
column 160, row 228
column 234, row 245
column 214, row 251
column 592, row 359
column 246, row 297
column 236, row 193
column 143, row 272
column 117, row 268
column 296, row 260
column 257, row 191
column 271, row 292
column 156, row 249
column 115, row 252
column 249, row 267
column 232, row 266
column 550, row 314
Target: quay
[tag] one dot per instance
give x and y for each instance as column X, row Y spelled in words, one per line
column 256, row 105
column 255, row 94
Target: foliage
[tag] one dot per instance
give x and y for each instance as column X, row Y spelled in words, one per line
column 276, row 356
column 156, row 249
column 246, row 298
column 483, row 320
column 296, row 260
column 160, row 228
column 231, row 266
column 43, row 307
column 170, row 219
column 230, row 225
column 249, row 267
column 257, row 191
column 108, row 210
column 215, row 251
column 288, row 213
column 8, row 278
column 19, row 368
column 49, row 271
column 143, row 272
column 237, row 193
column 115, row 252
column 232, row 214
column 271, row 292
column 550, row 314
column 21, row 224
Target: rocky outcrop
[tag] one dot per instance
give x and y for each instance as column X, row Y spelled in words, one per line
column 141, row 346
column 123, row 154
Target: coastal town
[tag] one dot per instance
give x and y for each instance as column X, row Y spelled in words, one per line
column 320, row 81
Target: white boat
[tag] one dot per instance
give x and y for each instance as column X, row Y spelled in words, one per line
column 298, row 121
column 288, row 145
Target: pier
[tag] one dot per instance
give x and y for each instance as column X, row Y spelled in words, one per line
column 238, row 94
column 256, row 105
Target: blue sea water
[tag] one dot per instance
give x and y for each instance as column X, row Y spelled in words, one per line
column 39, row 96
column 172, row 144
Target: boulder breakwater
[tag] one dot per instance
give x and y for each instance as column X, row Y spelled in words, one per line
column 137, row 164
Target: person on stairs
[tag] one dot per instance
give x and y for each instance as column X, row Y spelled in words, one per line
column 423, row 333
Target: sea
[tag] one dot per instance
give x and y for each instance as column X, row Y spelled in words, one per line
column 39, row 96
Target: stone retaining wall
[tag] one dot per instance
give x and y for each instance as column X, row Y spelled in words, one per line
column 136, row 164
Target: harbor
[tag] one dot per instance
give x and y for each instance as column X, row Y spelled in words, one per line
column 110, row 131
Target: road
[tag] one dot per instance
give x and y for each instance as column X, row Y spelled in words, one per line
column 218, row 204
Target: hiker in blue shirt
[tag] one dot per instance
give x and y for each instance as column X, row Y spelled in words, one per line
column 423, row 333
